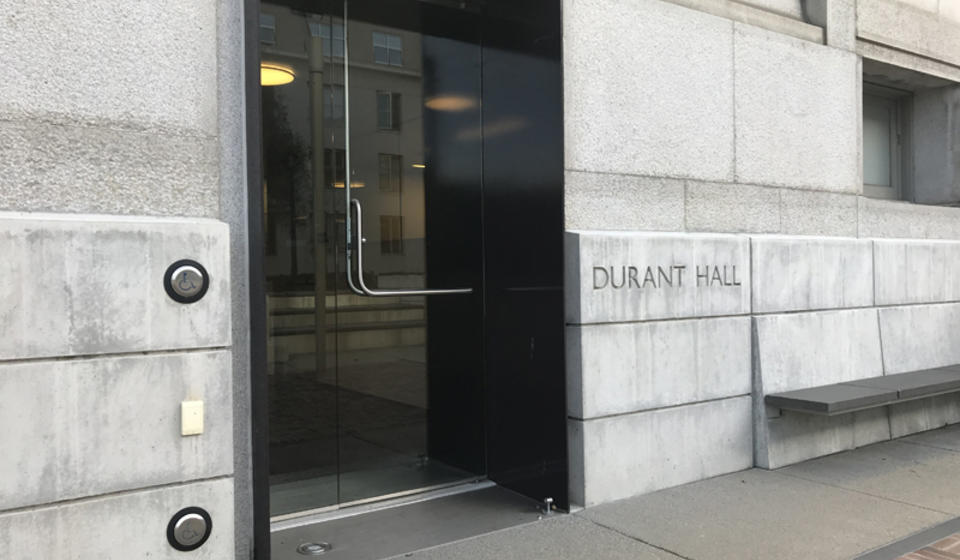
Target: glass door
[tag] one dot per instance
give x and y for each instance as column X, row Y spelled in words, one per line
column 372, row 214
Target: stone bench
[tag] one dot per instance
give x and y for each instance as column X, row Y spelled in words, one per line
column 833, row 380
column 871, row 392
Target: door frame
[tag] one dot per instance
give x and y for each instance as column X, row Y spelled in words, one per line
column 259, row 386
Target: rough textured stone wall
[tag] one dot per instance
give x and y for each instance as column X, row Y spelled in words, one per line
column 121, row 151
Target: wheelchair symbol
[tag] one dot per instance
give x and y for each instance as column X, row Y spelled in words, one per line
column 186, row 284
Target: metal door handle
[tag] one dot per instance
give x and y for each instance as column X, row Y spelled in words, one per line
column 364, row 290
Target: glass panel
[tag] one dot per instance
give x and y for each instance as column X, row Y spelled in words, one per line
column 268, row 29
column 350, row 409
column 877, row 122
column 396, row 57
column 384, row 107
column 383, row 366
column 303, row 158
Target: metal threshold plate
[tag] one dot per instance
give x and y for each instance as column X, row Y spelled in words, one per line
column 406, row 528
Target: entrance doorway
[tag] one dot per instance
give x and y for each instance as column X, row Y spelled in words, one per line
column 412, row 214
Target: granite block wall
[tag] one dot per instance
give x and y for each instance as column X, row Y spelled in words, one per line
column 121, row 151
column 743, row 149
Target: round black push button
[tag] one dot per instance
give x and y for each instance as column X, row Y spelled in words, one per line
column 189, row 528
column 186, row 281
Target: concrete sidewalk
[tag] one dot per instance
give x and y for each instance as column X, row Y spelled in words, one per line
column 835, row 507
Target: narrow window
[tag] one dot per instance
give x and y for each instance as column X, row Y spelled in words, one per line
column 387, row 49
column 388, row 110
column 268, row 29
column 334, row 167
column 389, row 172
column 331, row 36
column 333, row 102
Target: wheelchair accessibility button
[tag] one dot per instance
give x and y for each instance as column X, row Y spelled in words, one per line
column 186, row 281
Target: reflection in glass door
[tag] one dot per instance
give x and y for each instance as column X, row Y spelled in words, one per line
column 375, row 389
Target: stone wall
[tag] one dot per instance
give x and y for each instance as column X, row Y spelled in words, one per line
column 121, row 151
column 743, row 130
column 741, row 148
column 673, row 340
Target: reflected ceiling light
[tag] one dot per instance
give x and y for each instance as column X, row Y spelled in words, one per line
column 353, row 185
column 419, row 166
column 452, row 103
column 273, row 74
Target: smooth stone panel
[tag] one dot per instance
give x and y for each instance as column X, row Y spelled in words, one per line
column 794, row 437
column 620, row 368
column 609, row 201
column 797, row 112
column 924, row 414
column 801, row 350
column 920, row 337
column 633, row 454
column 614, row 105
column 47, row 167
column 804, row 273
column 913, row 271
column 83, row 285
column 103, row 63
column 724, row 259
column 120, row 527
column 99, row 433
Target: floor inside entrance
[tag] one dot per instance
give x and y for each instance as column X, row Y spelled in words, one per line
column 882, row 502
column 352, row 434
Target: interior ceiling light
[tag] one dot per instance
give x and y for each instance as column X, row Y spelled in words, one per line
column 452, row 103
column 419, row 166
column 273, row 74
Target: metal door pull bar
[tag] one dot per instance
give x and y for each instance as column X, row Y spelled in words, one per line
column 364, row 290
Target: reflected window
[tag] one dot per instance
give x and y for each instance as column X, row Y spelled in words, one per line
column 334, row 167
column 388, row 110
column 387, row 49
column 390, row 172
column 391, row 235
column 333, row 102
column 331, row 35
column 268, row 29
